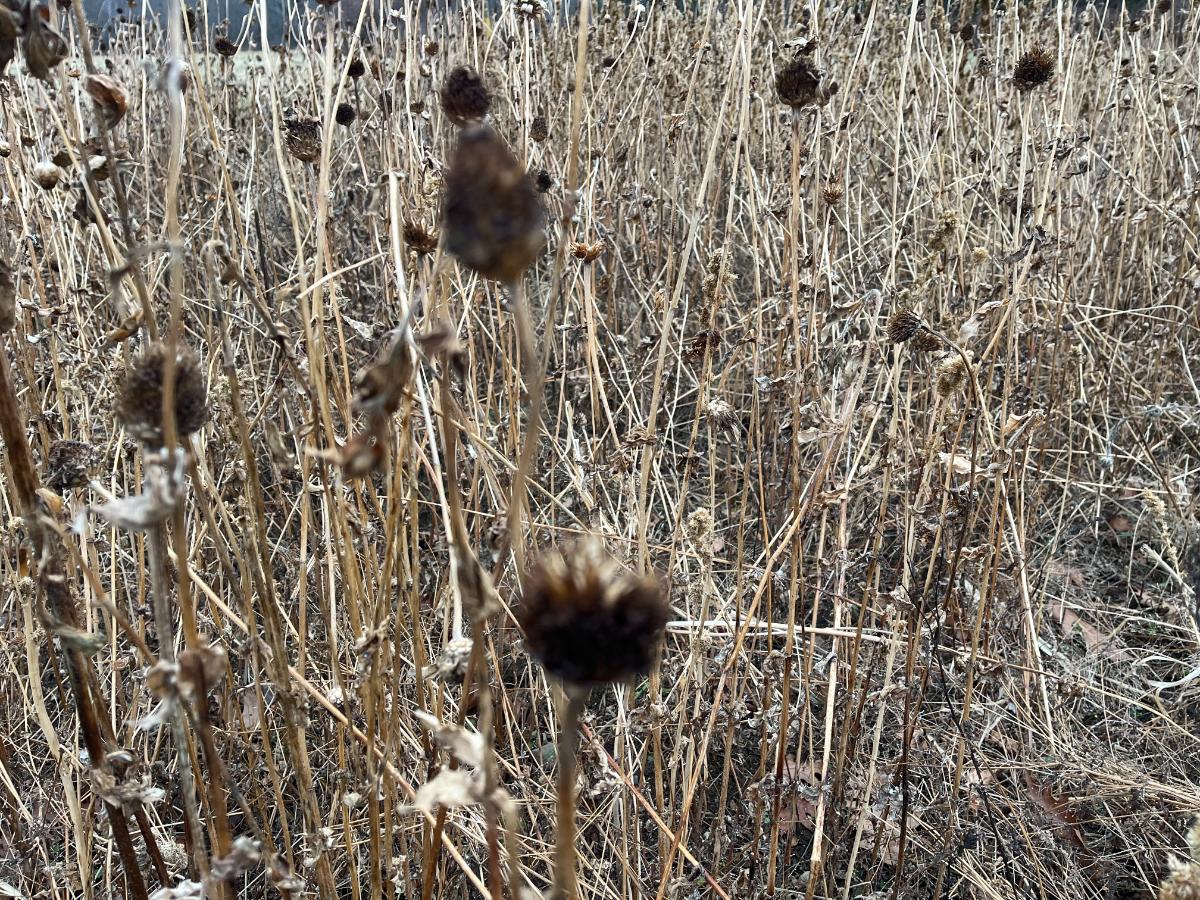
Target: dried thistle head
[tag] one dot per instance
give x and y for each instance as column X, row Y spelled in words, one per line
column 140, row 400
column 490, row 212
column 587, row 621
column 800, row 83
column 419, row 238
column 465, row 98
column 952, row 373
column 302, row 137
column 903, row 325
column 1034, row 68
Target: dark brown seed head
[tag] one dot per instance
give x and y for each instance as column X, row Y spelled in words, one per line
column 832, row 192
column 903, row 325
column 356, row 69
column 419, row 238
column 303, row 139
column 927, row 342
column 139, row 404
column 587, row 621
column 1034, row 68
column 345, row 114
column 67, row 465
column 465, row 98
column 798, row 83
column 493, row 221
column 224, row 46
column 544, row 181
column 967, row 32
column 539, row 129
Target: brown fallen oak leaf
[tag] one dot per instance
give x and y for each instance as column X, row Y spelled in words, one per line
column 1058, row 807
column 1096, row 641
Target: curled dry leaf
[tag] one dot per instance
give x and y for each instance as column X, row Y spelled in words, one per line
column 466, row 746
column 130, row 792
column 109, row 96
column 44, row 47
column 451, row 788
column 141, row 512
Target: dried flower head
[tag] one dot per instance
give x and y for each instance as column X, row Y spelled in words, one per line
column 587, row 621
column 952, row 374
column 721, row 414
column 589, row 253
column 47, row 175
column 928, row 342
column 303, row 139
column 800, row 84
column 1034, row 68
column 67, row 464
column 903, row 325
column 44, row 48
column 465, row 98
column 544, row 181
column 832, row 192
column 491, row 214
column 356, row 69
column 539, row 129
column 419, row 238
column 224, row 46
column 140, row 401
column 1182, row 882
column 345, row 114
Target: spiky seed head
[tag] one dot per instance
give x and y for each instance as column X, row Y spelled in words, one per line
column 1034, row 68
column 419, row 238
column 928, row 342
column 589, row 622
column 800, row 83
column 67, row 465
column 832, row 192
column 539, row 129
column 140, row 400
column 493, row 221
column 345, row 115
column 465, row 97
column 903, row 325
column 952, row 374
column 303, row 139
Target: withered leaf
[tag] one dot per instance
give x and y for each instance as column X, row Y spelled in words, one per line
column 44, row 47
column 109, row 96
column 8, row 38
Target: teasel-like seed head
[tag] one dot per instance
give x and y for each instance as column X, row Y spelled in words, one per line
column 1034, row 68
column 800, row 83
column 539, row 129
column 493, row 221
column 303, row 139
column 465, row 98
column 419, row 238
column 345, row 114
column 903, row 325
column 952, row 373
column 587, row 621
column 140, row 400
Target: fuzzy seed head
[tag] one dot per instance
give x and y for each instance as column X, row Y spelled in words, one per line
column 419, row 238
column 140, row 400
column 345, row 115
column 303, row 139
column 465, row 98
column 952, row 374
column 903, row 325
column 1034, row 68
column 539, row 129
column 587, row 621
column 493, row 221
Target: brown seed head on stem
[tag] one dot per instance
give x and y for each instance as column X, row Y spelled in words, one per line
column 587, row 621
column 491, row 216
column 465, row 98
column 140, row 400
column 1034, row 68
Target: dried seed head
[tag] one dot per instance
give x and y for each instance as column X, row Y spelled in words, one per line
column 800, row 84
column 491, row 214
column 47, row 175
column 544, row 181
column 587, row 621
column 928, row 342
column 721, row 414
column 44, row 47
column 832, row 192
column 139, row 403
column 1182, row 882
column 345, row 115
column 952, row 374
column 419, row 238
column 303, row 139
column 67, row 465
column 465, row 98
column 1034, row 68
column 539, row 129
column 356, row 69
column 224, row 46
column 903, row 325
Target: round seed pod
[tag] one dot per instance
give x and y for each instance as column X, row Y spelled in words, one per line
column 303, row 139
column 345, row 115
column 465, row 98
column 491, row 216
column 140, row 401
column 798, row 83
column 587, row 621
